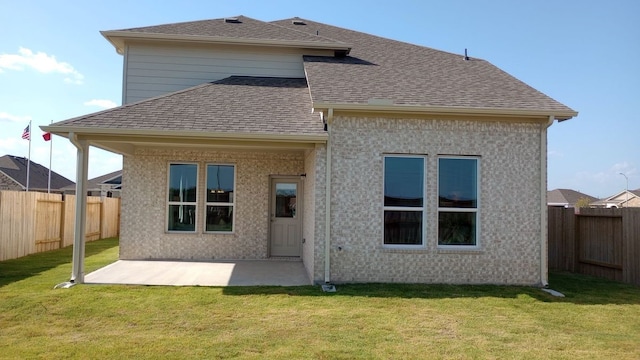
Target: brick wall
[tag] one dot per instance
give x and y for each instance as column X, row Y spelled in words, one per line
column 144, row 205
column 6, row 183
column 510, row 228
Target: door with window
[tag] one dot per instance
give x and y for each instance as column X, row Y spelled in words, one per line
column 286, row 216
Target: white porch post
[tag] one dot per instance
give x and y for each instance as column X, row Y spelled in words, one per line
column 77, row 274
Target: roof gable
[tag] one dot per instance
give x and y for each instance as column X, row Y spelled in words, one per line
column 239, row 30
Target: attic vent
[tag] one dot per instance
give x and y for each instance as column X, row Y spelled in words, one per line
column 298, row 22
column 233, row 20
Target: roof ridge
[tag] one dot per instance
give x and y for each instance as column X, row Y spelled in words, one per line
column 302, row 32
column 379, row 37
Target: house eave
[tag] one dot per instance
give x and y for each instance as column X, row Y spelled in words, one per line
column 119, row 39
column 125, row 141
column 559, row 115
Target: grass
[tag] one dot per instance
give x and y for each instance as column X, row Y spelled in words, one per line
column 597, row 319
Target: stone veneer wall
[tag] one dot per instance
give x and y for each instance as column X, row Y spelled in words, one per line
column 510, row 196
column 144, row 204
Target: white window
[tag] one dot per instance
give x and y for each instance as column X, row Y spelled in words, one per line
column 220, row 198
column 458, row 201
column 182, row 197
column 404, row 200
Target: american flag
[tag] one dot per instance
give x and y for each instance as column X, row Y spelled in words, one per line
column 26, row 134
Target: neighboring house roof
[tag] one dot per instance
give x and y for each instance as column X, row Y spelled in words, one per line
column 16, row 168
column 238, row 104
column 379, row 74
column 566, row 197
column 617, row 199
column 113, row 178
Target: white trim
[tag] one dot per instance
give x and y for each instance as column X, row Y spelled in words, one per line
column 422, row 208
column 454, row 110
column 119, row 38
column 475, row 210
column 232, row 204
column 169, row 203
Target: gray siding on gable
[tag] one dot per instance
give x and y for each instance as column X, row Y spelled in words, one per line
column 156, row 70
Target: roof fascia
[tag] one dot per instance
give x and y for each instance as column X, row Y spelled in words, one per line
column 442, row 110
column 119, row 38
column 88, row 133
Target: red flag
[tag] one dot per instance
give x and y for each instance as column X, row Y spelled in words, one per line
column 46, row 136
column 26, row 133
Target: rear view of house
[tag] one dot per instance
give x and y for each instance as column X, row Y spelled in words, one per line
column 368, row 159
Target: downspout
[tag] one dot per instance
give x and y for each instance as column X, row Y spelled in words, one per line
column 327, row 219
column 544, row 270
column 77, row 274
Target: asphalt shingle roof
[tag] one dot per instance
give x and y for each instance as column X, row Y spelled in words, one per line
column 407, row 74
column 244, row 28
column 16, row 168
column 237, row 104
column 566, row 196
column 376, row 68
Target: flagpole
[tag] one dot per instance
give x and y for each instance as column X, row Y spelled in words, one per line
column 50, row 157
column 29, row 157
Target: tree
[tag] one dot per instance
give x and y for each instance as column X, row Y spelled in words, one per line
column 583, row 202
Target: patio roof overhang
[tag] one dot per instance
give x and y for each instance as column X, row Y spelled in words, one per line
column 125, row 141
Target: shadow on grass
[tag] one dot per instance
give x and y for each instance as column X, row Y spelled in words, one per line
column 31, row 265
column 578, row 289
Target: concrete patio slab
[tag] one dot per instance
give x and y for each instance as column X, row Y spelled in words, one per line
column 188, row 273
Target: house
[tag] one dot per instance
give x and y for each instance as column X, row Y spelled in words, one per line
column 626, row 198
column 13, row 176
column 567, row 198
column 368, row 159
column 107, row 185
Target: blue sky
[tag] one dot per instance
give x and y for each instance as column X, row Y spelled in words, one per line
column 54, row 64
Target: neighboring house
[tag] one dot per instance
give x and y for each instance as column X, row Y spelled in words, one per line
column 567, row 198
column 13, row 176
column 370, row 159
column 107, row 185
column 622, row 199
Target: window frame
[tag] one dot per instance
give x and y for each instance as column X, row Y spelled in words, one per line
column 422, row 208
column 475, row 210
column 231, row 204
column 190, row 203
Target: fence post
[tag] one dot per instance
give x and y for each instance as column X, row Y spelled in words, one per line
column 631, row 246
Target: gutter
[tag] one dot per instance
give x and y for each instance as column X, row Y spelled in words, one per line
column 386, row 106
column 119, row 38
column 327, row 215
column 544, row 266
column 68, row 130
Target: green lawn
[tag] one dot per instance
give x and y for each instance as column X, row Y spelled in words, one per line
column 596, row 320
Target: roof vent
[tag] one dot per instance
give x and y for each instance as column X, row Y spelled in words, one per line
column 232, row 20
column 381, row 102
column 298, row 22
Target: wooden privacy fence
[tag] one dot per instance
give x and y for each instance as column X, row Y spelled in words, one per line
column 598, row 242
column 32, row 222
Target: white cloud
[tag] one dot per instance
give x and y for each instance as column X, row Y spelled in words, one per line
column 14, row 118
column 41, row 62
column 105, row 104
